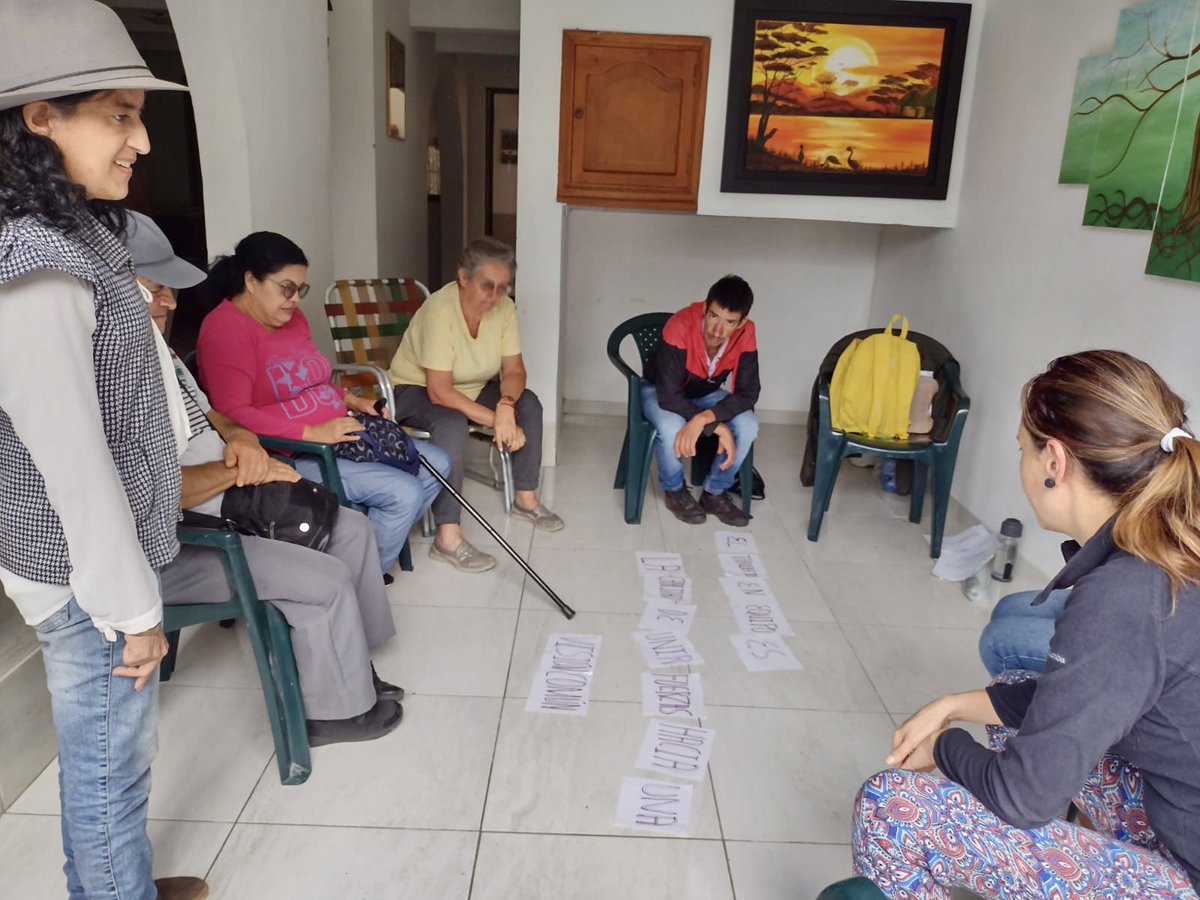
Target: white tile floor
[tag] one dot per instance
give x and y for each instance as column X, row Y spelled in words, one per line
column 474, row 797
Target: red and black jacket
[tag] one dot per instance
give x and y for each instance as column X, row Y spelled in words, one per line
column 679, row 369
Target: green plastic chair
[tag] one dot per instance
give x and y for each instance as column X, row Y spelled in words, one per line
column 270, row 637
column 937, row 454
column 852, row 889
column 633, row 468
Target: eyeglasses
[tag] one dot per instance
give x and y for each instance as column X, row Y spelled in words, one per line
column 291, row 289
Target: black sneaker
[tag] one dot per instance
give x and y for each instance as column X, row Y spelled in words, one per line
column 383, row 689
column 684, row 506
column 380, row 719
column 723, row 507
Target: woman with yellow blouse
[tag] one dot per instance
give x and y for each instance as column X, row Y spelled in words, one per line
column 460, row 363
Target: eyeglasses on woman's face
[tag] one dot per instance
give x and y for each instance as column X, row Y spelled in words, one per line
column 290, row 289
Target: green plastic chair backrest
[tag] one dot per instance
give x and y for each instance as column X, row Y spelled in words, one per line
column 646, row 331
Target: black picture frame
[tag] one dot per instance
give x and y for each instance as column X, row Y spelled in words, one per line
column 773, row 172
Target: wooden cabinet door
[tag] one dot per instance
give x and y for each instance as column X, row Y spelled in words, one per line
column 632, row 119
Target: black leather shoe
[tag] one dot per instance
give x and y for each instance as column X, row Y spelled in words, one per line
column 684, row 507
column 722, row 506
column 385, row 690
column 380, row 719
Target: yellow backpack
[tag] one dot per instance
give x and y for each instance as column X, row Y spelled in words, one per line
column 873, row 384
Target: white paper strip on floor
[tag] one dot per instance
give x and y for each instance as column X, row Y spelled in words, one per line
column 563, row 680
column 760, row 617
column 764, row 652
column 656, row 806
column 743, row 565
column 658, row 562
column 735, row 542
column 672, row 748
column 746, row 590
column 673, row 695
column 667, row 588
column 666, row 648
column 667, row 617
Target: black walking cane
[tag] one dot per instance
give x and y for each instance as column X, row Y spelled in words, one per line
column 499, row 538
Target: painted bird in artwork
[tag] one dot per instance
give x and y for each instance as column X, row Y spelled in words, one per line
column 800, row 155
column 832, row 162
column 855, row 165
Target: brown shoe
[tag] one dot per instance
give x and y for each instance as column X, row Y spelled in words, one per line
column 684, row 507
column 722, row 506
column 181, row 887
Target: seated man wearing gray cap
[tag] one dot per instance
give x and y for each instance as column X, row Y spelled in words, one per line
column 334, row 601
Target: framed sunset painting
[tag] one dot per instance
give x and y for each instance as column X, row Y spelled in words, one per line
column 844, row 97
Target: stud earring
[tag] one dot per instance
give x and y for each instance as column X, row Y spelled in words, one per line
column 1050, row 482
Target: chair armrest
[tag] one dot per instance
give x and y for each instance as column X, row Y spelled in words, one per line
column 614, row 356
column 326, row 460
column 824, row 410
column 221, row 538
column 381, row 379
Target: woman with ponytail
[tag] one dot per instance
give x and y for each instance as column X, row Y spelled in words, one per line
column 1114, row 722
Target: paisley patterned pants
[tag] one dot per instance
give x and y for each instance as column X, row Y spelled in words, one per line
column 916, row 835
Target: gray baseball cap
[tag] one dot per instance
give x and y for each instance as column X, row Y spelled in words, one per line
column 52, row 48
column 153, row 255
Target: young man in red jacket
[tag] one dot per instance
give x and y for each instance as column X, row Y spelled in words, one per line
column 682, row 396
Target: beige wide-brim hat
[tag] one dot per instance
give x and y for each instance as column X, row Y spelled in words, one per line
column 51, row 48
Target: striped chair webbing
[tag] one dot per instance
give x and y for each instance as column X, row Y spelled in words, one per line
column 367, row 317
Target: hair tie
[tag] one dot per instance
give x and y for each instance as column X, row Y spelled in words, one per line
column 1168, row 439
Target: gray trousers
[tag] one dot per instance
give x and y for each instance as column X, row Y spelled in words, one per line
column 334, row 601
column 448, row 428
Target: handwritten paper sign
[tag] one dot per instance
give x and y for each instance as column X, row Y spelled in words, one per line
column 746, row 590
column 761, row 618
column 764, row 652
column 676, row 749
column 667, row 617
column 650, row 561
column 666, row 648
column 668, row 588
column 744, row 565
column 672, row 695
column 657, row 806
column 563, row 680
column 735, row 542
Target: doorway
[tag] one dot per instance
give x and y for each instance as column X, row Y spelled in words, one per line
column 500, row 172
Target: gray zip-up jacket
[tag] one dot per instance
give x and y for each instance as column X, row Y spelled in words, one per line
column 1123, row 677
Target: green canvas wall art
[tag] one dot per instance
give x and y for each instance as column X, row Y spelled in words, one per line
column 1132, row 135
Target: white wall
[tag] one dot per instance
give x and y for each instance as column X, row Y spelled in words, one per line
column 378, row 182
column 259, row 75
column 812, row 283
column 1020, row 281
column 545, row 272
column 400, row 165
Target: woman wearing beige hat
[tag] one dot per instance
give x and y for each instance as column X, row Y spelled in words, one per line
column 89, row 483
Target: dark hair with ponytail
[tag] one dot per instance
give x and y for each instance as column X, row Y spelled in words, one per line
column 262, row 254
column 1110, row 410
column 33, row 179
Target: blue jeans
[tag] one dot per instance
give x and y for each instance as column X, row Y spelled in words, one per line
column 394, row 499
column 668, row 424
column 1018, row 635
column 106, row 741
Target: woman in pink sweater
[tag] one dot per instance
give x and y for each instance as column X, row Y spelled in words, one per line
column 261, row 368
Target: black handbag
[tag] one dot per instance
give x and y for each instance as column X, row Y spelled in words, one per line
column 301, row 512
column 381, row 440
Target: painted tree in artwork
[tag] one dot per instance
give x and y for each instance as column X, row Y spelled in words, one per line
column 782, row 52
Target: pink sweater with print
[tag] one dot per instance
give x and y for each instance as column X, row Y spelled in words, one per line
column 272, row 382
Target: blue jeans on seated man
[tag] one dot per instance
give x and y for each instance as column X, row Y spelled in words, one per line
column 106, row 741
column 668, row 424
column 1018, row 635
column 394, row 499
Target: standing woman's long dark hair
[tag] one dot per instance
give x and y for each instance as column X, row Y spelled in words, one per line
column 1117, row 419
column 34, row 182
